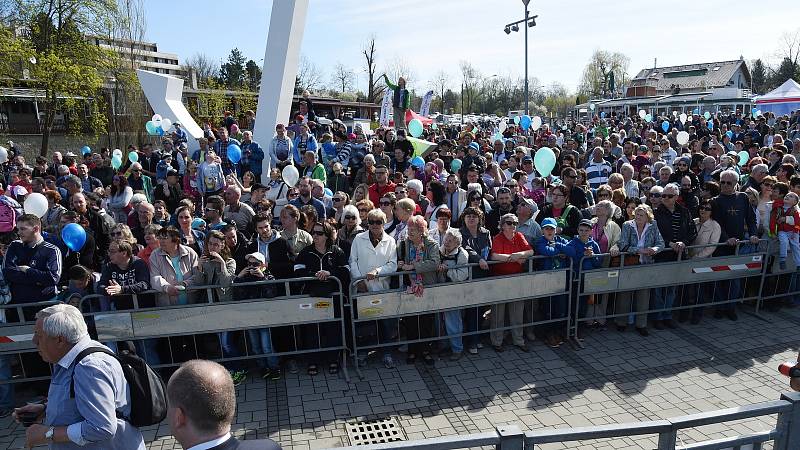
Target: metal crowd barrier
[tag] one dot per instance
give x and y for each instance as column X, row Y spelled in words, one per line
column 396, row 303
column 209, row 317
column 778, row 284
column 785, row 435
column 698, row 282
column 16, row 339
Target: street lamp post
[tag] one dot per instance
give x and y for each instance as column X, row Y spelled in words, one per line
column 528, row 21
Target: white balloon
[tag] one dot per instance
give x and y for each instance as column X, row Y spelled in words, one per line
column 536, row 123
column 290, row 175
column 642, row 113
column 3, row 155
column 591, row 106
column 683, row 118
column 117, row 152
column 502, row 126
column 674, row 113
column 156, row 118
column 36, row 204
column 166, row 124
column 683, row 138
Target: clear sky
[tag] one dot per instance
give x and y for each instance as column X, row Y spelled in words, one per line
column 430, row 35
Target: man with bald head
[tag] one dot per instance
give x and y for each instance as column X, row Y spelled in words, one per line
column 202, row 406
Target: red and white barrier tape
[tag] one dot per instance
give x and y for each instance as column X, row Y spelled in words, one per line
column 17, row 338
column 748, row 266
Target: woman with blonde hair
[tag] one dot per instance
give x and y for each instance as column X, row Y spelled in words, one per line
column 640, row 237
column 122, row 232
column 606, row 233
column 419, row 254
column 361, row 192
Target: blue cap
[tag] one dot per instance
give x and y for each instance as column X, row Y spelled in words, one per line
column 475, row 145
column 549, row 222
column 197, row 223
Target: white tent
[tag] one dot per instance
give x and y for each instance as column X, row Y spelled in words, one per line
column 782, row 100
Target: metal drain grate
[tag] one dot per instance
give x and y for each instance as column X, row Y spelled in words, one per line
column 378, row 431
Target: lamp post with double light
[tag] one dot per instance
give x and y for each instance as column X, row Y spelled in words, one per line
column 528, row 22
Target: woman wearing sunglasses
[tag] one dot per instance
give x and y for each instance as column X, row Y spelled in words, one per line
column 323, row 260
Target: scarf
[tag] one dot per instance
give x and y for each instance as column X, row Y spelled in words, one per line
column 417, row 254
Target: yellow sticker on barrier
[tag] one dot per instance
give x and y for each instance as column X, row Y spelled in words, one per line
column 370, row 312
column 322, row 305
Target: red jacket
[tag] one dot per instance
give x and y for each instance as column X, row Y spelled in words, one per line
column 792, row 223
column 376, row 192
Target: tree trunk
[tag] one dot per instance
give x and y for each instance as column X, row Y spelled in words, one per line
column 49, row 117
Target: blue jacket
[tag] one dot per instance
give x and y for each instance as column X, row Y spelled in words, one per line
column 555, row 248
column 252, row 156
column 311, row 145
column 40, row 282
column 575, row 250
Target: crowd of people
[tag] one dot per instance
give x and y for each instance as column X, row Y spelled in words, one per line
column 365, row 205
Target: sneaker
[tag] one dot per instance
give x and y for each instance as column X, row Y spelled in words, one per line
column 274, row 374
column 388, row 361
column 238, row 377
column 523, row 347
column 457, row 355
column 473, row 350
column 292, row 367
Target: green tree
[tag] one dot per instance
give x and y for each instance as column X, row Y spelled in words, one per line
column 56, row 56
column 759, row 76
column 233, row 74
column 596, row 79
column 253, row 75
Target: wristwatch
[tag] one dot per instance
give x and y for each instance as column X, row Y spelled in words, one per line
column 49, row 434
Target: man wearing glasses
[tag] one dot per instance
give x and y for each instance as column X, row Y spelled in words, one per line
column 381, row 186
column 737, row 220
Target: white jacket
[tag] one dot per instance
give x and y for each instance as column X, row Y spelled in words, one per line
column 365, row 258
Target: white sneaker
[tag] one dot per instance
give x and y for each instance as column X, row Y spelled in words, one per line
column 473, row 350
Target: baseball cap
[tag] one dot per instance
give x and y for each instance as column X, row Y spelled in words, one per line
column 474, row 145
column 586, row 222
column 197, row 223
column 549, row 222
column 527, row 158
column 256, row 255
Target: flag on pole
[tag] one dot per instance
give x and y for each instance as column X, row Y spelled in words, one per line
column 386, row 106
column 425, row 109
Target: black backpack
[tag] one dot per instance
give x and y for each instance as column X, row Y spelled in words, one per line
column 148, row 393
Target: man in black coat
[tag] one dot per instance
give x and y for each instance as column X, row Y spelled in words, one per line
column 202, row 406
column 269, row 243
column 677, row 228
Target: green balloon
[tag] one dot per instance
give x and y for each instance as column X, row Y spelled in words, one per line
column 545, row 161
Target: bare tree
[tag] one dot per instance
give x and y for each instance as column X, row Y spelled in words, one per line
column 309, row 76
column 373, row 89
column 439, row 83
column 789, row 47
column 342, row 77
column 470, row 77
column 203, row 66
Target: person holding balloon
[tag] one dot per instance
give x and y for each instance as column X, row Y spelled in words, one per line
column 221, row 149
column 210, row 175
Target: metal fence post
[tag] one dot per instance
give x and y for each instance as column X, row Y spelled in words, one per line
column 788, row 426
column 511, row 438
column 666, row 439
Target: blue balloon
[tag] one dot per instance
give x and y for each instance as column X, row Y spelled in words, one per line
column 710, row 125
column 665, row 126
column 328, row 192
column 234, row 153
column 85, row 150
column 418, row 162
column 696, row 111
column 602, row 114
column 159, row 131
column 74, row 236
column 525, row 122
column 729, row 133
